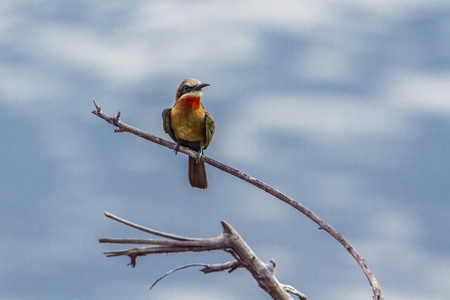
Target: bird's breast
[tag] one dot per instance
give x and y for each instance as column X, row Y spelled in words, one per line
column 188, row 124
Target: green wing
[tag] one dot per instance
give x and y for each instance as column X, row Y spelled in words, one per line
column 210, row 128
column 166, row 124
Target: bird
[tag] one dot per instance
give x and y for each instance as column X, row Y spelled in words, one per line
column 190, row 125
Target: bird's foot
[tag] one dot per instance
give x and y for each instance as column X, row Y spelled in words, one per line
column 177, row 148
column 199, row 156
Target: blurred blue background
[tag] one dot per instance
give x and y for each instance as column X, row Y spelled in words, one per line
column 344, row 106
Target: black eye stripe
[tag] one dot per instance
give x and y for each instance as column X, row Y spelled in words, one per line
column 185, row 89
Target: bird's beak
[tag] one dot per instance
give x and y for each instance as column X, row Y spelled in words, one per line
column 200, row 86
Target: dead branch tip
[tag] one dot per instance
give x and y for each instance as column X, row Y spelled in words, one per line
column 272, row 265
column 227, row 227
column 133, row 260
column 96, row 106
column 294, row 291
column 116, row 119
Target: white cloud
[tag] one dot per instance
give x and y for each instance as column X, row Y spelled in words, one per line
column 396, row 8
column 27, row 84
column 235, row 14
column 326, row 120
column 421, row 92
column 113, row 58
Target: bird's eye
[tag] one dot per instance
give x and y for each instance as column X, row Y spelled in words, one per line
column 185, row 88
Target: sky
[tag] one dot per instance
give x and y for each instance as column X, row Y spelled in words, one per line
column 342, row 105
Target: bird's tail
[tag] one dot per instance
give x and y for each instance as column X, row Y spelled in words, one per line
column 197, row 174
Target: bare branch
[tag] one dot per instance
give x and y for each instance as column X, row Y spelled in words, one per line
column 229, row 239
column 122, row 127
column 229, row 265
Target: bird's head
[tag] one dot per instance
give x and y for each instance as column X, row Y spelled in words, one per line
column 190, row 89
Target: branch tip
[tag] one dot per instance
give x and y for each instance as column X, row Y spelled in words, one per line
column 227, row 227
column 98, row 108
column 272, row 265
column 292, row 290
column 110, row 215
column 133, row 260
column 116, row 119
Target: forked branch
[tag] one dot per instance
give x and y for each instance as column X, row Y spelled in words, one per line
column 122, row 127
column 229, row 241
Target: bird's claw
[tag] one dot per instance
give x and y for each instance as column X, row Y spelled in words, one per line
column 199, row 156
column 177, row 148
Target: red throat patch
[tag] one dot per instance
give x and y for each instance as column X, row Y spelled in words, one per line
column 191, row 102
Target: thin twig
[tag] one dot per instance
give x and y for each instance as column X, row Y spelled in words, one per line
column 177, row 269
column 151, row 231
column 122, row 127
